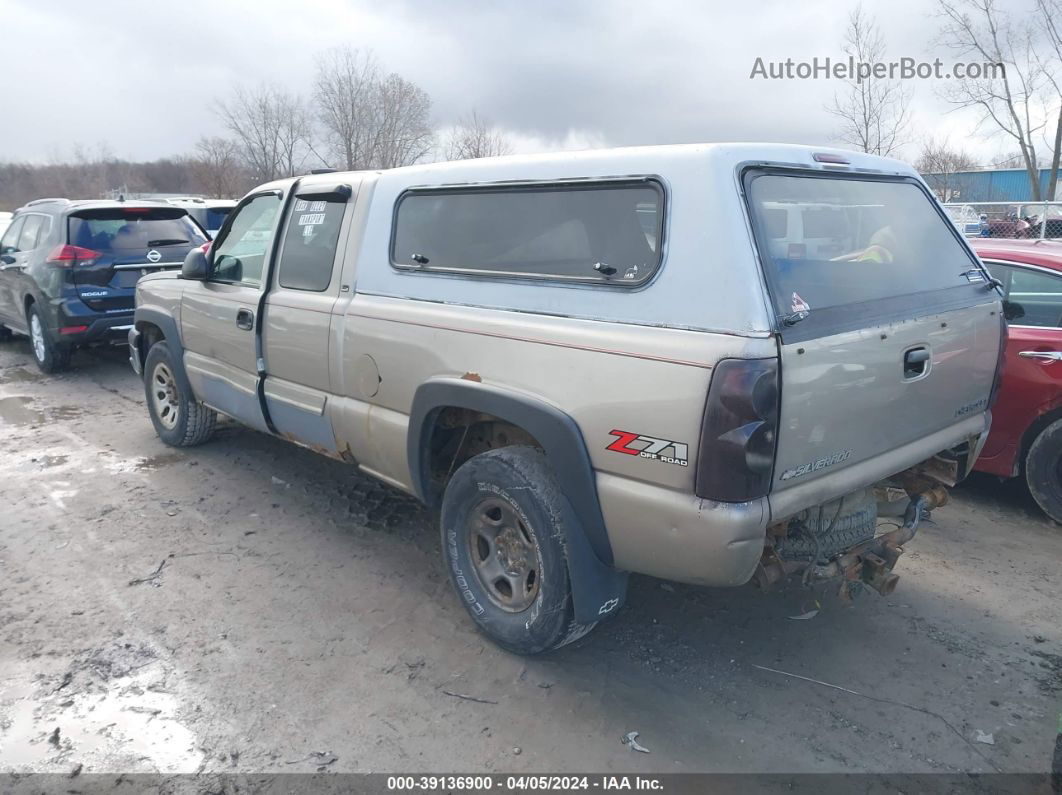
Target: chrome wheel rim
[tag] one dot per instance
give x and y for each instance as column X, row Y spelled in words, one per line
column 37, row 337
column 504, row 555
column 164, row 396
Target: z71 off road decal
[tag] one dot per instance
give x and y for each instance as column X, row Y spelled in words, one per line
column 650, row 447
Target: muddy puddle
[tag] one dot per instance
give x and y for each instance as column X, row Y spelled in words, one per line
column 130, row 724
column 19, row 410
column 159, row 461
column 20, row 375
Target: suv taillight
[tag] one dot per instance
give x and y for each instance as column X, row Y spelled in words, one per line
column 739, row 433
column 67, row 256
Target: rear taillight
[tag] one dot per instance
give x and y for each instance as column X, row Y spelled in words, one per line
column 67, row 256
column 739, row 433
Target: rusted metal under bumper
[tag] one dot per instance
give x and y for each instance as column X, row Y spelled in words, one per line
column 869, row 563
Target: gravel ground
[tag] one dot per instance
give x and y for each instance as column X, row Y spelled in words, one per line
column 249, row 606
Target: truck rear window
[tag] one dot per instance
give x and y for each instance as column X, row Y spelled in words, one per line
column 591, row 232
column 832, row 241
column 133, row 228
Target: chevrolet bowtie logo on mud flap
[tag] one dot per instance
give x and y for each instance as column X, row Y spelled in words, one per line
column 607, row 607
column 650, row 447
column 815, row 466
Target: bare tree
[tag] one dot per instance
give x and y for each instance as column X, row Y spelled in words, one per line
column 271, row 128
column 404, row 133
column 873, row 111
column 942, row 166
column 344, row 96
column 475, row 137
column 370, row 120
column 1047, row 12
column 217, row 168
column 1011, row 103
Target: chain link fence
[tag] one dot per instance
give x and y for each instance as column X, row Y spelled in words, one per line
column 1029, row 220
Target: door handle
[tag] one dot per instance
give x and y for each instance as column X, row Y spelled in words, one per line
column 245, row 319
column 915, row 362
column 1050, row 356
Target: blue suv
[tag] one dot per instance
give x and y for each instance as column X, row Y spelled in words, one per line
column 68, row 269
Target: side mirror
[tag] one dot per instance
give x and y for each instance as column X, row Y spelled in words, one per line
column 196, row 265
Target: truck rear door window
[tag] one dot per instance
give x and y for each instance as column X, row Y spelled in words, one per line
column 587, row 232
column 310, row 241
column 849, row 241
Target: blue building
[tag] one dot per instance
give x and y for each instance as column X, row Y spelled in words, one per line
column 988, row 185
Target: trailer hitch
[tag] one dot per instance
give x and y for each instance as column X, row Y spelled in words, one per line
column 870, row 563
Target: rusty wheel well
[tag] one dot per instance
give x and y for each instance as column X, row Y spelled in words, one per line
column 458, row 434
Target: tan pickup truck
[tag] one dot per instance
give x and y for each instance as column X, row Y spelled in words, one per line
column 707, row 363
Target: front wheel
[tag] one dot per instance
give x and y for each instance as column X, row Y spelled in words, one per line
column 179, row 419
column 49, row 356
column 1043, row 470
column 504, row 521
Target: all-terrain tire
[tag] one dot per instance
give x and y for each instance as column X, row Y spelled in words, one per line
column 1043, row 470
column 513, row 493
column 50, row 356
column 179, row 419
column 828, row 536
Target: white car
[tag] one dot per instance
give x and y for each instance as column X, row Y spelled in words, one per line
column 209, row 213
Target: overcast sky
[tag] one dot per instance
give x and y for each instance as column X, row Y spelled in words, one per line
column 140, row 77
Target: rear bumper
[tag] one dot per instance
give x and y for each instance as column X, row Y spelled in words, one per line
column 112, row 328
column 677, row 536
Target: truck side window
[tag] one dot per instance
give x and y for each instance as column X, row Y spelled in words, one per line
column 604, row 232
column 310, row 242
column 239, row 256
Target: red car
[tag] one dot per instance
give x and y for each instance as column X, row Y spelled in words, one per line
column 1026, row 432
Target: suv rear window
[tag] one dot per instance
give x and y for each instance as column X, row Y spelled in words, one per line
column 850, row 240
column 590, row 232
column 133, row 228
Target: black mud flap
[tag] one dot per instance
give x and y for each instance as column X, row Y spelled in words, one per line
column 598, row 591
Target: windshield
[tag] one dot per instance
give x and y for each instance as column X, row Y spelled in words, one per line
column 133, row 228
column 827, row 242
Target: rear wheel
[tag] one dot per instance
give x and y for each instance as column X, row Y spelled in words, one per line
column 179, row 419
column 504, row 519
column 1043, row 470
column 49, row 355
